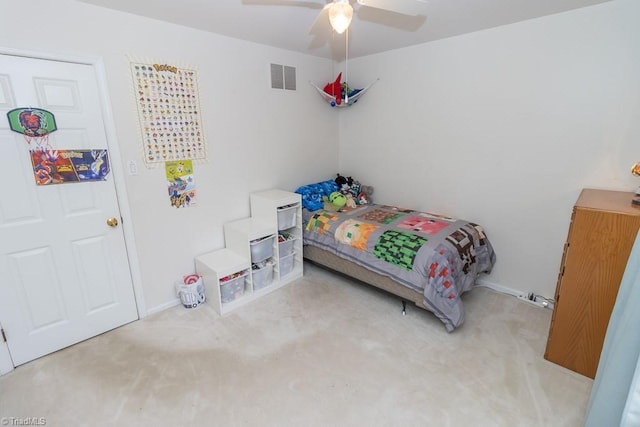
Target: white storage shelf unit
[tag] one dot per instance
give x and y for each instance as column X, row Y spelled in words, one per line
column 284, row 209
column 251, row 240
column 217, row 265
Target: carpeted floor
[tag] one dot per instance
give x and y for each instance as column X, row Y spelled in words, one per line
column 322, row 351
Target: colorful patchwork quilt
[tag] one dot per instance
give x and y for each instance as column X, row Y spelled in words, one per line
column 434, row 254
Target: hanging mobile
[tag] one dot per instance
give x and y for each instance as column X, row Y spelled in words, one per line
column 336, row 92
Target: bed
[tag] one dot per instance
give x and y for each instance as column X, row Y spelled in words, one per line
column 422, row 257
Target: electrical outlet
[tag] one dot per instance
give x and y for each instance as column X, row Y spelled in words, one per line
column 533, row 300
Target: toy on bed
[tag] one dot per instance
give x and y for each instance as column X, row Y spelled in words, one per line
column 361, row 194
column 344, row 183
column 313, row 195
column 318, row 196
column 364, row 194
column 351, row 201
column 335, row 202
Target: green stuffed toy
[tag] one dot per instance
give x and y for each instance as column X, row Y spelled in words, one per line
column 334, row 202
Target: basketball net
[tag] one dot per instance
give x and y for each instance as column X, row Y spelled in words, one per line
column 37, row 142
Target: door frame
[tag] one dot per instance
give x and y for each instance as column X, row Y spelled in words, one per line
column 117, row 170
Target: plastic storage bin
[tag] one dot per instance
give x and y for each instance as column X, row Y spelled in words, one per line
column 285, row 244
column 261, row 249
column 262, row 277
column 231, row 289
column 287, row 216
column 286, row 264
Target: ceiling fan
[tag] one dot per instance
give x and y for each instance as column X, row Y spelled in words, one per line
column 339, row 13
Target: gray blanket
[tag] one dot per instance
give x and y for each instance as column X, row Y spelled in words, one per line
column 433, row 254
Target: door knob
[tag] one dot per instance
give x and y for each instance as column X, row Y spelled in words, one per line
column 112, row 222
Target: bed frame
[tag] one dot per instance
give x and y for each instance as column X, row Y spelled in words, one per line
column 333, row 262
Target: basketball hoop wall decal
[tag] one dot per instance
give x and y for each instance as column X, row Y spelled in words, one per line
column 34, row 123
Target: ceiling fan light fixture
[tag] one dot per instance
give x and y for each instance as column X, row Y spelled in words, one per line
column 340, row 15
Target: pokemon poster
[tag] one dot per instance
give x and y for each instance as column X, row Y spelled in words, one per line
column 168, row 103
column 182, row 189
column 65, row 166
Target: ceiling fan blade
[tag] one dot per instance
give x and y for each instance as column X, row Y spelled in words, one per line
column 309, row 4
column 321, row 24
column 404, row 7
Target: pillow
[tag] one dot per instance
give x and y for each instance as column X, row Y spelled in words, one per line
column 312, row 194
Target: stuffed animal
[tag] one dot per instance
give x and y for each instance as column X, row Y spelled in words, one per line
column 335, row 89
column 334, row 202
column 365, row 194
column 361, row 194
column 338, row 199
column 344, row 183
column 351, row 202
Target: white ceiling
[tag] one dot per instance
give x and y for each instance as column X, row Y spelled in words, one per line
column 287, row 23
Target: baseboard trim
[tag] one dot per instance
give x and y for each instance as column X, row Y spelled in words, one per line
column 163, row 307
column 483, row 283
column 498, row 288
column 6, row 364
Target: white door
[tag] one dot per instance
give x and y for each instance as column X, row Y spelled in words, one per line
column 64, row 273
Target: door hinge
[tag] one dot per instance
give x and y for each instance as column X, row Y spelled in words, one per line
column 4, row 336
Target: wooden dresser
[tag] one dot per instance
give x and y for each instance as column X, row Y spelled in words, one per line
column 603, row 228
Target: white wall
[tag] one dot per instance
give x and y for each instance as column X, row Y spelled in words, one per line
column 504, row 127
column 258, row 138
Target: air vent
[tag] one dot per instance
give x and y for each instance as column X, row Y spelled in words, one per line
column 277, row 76
column 289, row 78
column 283, row 77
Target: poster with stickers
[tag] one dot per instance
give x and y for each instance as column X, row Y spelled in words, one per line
column 169, row 112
